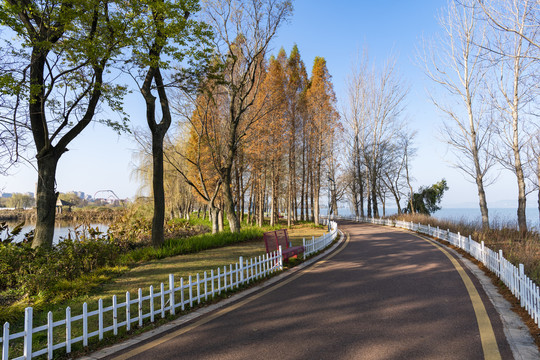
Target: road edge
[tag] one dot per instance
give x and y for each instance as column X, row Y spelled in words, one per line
column 517, row 333
column 123, row 345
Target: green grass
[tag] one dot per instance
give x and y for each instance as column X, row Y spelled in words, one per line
column 201, row 253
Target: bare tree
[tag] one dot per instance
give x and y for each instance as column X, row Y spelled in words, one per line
column 243, row 32
column 515, row 65
column 457, row 66
column 395, row 163
column 387, row 95
column 534, row 163
column 376, row 102
column 356, row 116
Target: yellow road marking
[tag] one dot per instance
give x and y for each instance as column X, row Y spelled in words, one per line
column 487, row 336
column 226, row 310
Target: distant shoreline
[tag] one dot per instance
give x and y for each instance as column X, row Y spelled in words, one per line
column 77, row 214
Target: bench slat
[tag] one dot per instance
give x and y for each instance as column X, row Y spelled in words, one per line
column 274, row 239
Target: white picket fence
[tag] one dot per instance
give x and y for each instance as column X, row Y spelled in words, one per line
column 313, row 245
column 178, row 295
column 523, row 288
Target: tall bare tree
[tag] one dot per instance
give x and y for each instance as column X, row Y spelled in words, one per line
column 515, row 67
column 356, row 116
column 455, row 63
column 387, row 94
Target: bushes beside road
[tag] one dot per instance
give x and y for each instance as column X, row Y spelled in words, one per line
column 74, row 266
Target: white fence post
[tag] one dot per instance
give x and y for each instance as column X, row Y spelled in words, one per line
column 190, row 291
column 151, row 303
column 128, row 311
column 280, row 254
column 50, row 338
column 521, row 282
column 5, row 341
column 483, row 247
column 68, row 329
column 500, row 265
column 139, row 307
column 27, row 352
column 241, row 269
column 162, row 298
column 171, row 293
column 182, row 296
column 198, row 288
column 85, row 323
column 100, row 319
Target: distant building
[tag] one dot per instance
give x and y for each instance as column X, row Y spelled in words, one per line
column 7, row 195
column 80, row 194
column 62, row 205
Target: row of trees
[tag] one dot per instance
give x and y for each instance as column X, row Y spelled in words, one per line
column 379, row 143
column 486, row 65
column 281, row 154
column 60, row 68
column 18, row 201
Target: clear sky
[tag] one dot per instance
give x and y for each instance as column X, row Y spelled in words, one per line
column 101, row 160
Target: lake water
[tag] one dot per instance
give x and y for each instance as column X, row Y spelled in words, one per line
column 498, row 216
column 61, row 229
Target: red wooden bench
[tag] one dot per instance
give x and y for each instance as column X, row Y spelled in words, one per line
column 274, row 239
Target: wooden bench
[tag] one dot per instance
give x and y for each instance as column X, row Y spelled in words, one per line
column 274, row 239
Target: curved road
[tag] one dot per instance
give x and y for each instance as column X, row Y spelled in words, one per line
column 383, row 294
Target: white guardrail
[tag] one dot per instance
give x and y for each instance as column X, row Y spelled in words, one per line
column 521, row 286
column 134, row 311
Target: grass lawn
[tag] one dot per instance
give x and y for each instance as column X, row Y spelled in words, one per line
column 155, row 272
column 143, row 276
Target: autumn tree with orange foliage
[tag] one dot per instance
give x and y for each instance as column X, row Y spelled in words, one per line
column 269, row 142
column 241, row 44
column 323, row 120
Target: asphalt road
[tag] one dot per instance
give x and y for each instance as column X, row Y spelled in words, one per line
column 384, row 294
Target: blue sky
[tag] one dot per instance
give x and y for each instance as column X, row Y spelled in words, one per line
column 337, row 31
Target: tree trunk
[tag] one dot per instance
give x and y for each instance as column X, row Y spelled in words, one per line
column 214, row 219
column 260, row 209
column 234, row 223
column 303, row 196
column 482, row 202
column 289, row 207
column 158, row 235
column 369, row 204
column 312, row 195
column 251, row 203
column 238, row 193
column 397, row 199
column 242, row 198
column 316, row 210
column 220, row 220
column 522, row 195
column 374, row 196
column 273, row 198
column 46, row 198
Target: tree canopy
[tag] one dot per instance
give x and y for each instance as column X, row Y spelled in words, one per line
column 427, row 199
